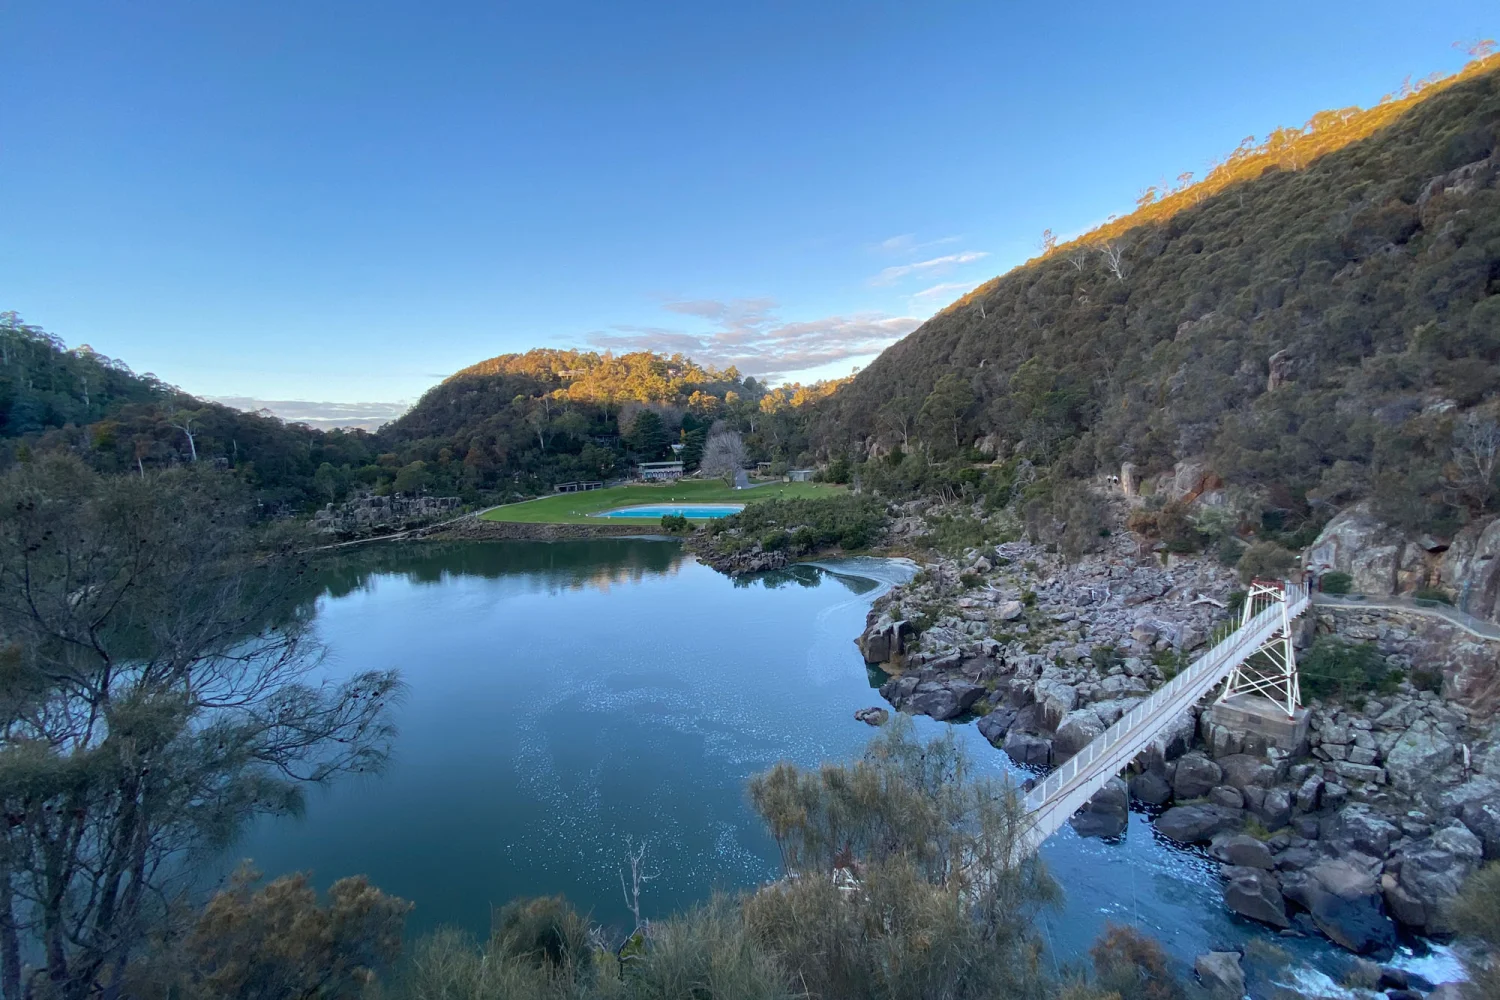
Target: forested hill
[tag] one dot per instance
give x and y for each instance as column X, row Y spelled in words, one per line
column 1312, row 331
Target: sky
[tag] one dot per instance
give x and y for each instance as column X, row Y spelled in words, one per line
column 343, row 202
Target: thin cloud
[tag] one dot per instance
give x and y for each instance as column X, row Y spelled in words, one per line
column 907, row 243
column 750, row 336
column 946, row 288
column 322, row 415
column 891, row 275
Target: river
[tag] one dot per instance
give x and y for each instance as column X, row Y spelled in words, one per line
column 566, row 696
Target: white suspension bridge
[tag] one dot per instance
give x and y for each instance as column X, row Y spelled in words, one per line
column 1265, row 628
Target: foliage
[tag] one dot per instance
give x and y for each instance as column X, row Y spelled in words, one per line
column 1266, row 561
column 1133, row 966
column 158, row 702
column 1436, row 594
column 545, row 933
column 1341, row 670
column 277, row 941
column 677, row 524
column 846, row 520
column 1351, row 259
column 1336, row 582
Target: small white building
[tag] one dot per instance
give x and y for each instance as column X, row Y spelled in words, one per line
column 801, row 475
column 659, row 471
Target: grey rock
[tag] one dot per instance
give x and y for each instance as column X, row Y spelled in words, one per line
column 1057, row 699
column 1483, row 820
column 1106, row 814
column 1275, row 809
column 1028, row 749
column 1243, row 851
column 994, row 726
column 1242, row 770
column 1254, row 893
column 1076, row 730
column 943, row 700
column 1345, row 904
column 1195, row 776
column 1150, row 788
column 1010, row 611
column 1220, row 973
column 1361, row 828
column 873, row 716
column 1309, row 794
column 1224, row 795
column 1416, row 756
column 1196, row 824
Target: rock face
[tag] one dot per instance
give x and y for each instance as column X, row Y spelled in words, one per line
column 1106, row 814
column 1471, row 568
column 1369, row 550
column 1345, row 904
column 368, row 515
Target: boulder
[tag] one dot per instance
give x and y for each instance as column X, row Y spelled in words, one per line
column 874, row 716
column 1010, row 611
column 1431, row 875
column 1256, row 894
column 1344, row 903
column 1416, row 756
column 1150, row 789
column 994, row 726
column 1028, row 749
column 1224, row 795
column 1220, row 973
column 1358, row 827
column 1106, row 814
column 1369, row 550
column 1275, row 808
column 1309, row 793
column 1483, row 820
column 1057, row 699
column 1196, row 775
column 1448, row 991
column 1243, row 851
column 1077, row 729
column 943, row 699
column 1242, row 770
column 1472, row 565
column 1196, row 824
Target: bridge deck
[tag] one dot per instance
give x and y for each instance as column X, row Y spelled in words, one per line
column 1067, row 789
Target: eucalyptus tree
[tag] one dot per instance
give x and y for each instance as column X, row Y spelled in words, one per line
column 156, row 692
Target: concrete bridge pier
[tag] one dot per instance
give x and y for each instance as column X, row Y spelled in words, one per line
column 1249, row 723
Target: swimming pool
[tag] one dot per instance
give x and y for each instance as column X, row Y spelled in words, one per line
column 690, row 510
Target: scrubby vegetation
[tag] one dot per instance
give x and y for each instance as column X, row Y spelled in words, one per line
column 801, row 526
column 1344, row 671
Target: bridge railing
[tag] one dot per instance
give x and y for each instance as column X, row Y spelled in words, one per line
column 1204, row 672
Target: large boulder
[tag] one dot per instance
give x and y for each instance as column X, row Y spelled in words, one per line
column 1274, row 808
column 1243, row 851
column 1358, row 827
column 1028, row 749
column 994, row 726
column 1416, row 756
column 947, row 699
column 1106, row 814
column 1243, row 770
column 1220, row 973
column 1196, row 824
column 1076, row 731
column 1369, row 550
column 1150, row 788
column 1255, row 893
column 1345, row 904
column 1482, row 817
column 1057, row 699
column 1195, row 777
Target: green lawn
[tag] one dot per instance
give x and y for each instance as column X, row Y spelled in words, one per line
column 574, row 508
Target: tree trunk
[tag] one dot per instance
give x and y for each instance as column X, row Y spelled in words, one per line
column 10, row 940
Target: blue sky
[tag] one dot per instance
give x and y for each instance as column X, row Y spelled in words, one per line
column 333, row 201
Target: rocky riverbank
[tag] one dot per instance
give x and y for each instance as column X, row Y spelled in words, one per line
column 474, row 528
column 1362, row 833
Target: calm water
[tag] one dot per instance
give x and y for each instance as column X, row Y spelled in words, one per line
column 565, row 696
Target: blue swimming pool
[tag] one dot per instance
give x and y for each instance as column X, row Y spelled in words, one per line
column 689, row 510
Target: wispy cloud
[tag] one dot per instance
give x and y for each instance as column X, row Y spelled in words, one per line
column 946, row 288
column 908, row 243
column 749, row 335
column 936, row 265
column 319, row 414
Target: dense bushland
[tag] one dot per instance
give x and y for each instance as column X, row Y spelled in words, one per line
column 801, row 526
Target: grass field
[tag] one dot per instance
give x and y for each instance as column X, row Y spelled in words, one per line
column 575, row 508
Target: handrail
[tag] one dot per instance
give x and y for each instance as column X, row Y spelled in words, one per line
column 1210, row 668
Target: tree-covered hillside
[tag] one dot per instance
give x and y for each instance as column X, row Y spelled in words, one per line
column 1314, row 334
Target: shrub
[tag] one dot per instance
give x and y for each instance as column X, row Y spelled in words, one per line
column 1266, row 561
column 1336, row 582
column 674, row 523
column 1477, row 911
column 1342, row 670
column 1133, row 966
column 1434, row 594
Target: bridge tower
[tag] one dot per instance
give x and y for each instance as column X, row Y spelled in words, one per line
column 1271, row 671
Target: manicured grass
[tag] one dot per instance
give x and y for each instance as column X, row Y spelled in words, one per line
column 574, row 508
